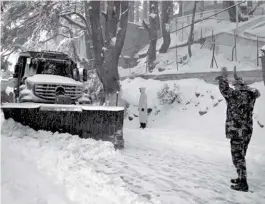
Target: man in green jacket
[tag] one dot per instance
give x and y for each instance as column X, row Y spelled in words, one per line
column 239, row 123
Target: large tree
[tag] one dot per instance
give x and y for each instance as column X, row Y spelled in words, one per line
column 152, row 30
column 167, row 11
column 107, row 51
column 28, row 25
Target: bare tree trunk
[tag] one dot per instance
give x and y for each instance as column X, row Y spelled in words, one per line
column 167, row 9
column 89, row 53
column 137, row 11
column 232, row 12
column 152, row 30
column 215, row 7
column 180, row 8
column 131, row 11
column 107, row 53
column 145, row 10
column 202, row 8
column 191, row 36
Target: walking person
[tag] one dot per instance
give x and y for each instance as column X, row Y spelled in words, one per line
column 142, row 108
column 239, row 123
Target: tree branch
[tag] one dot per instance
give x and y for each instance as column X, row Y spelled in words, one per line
column 4, row 55
column 58, row 34
column 146, row 26
column 79, row 15
column 120, row 37
column 83, row 27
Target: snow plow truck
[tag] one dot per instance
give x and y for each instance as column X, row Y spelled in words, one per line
column 48, row 93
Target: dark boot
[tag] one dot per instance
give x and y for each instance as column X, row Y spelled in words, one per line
column 241, row 186
column 235, row 181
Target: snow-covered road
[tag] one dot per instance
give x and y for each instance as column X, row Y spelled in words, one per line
column 187, row 169
column 181, row 158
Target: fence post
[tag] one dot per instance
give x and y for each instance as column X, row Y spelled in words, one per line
column 235, row 35
column 257, row 51
column 176, row 45
column 182, row 32
column 262, row 57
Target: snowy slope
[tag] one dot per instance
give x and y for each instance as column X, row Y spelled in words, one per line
column 201, row 60
column 182, row 157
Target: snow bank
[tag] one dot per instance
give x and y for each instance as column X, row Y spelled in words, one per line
column 84, row 166
column 23, row 183
column 201, row 105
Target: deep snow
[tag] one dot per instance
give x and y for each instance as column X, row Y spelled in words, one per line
column 182, row 157
column 24, row 184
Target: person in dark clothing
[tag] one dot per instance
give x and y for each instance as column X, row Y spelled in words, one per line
column 239, row 123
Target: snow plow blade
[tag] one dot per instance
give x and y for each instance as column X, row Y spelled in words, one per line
column 100, row 123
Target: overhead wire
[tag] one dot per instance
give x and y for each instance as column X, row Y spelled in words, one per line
column 197, row 21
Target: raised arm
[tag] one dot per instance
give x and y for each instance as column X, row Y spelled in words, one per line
column 224, row 88
column 254, row 92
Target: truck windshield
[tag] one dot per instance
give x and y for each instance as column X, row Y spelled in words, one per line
column 55, row 67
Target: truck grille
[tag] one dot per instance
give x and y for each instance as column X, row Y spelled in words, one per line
column 48, row 91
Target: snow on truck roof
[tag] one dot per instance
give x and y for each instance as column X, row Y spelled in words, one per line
column 54, row 79
column 45, row 54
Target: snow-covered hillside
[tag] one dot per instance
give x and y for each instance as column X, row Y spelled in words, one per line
column 201, row 61
column 182, row 157
column 166, row 63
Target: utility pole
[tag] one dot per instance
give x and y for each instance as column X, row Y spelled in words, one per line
column 236, row 17
column 236, row 30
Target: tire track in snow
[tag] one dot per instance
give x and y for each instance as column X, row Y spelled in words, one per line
column 189, row 173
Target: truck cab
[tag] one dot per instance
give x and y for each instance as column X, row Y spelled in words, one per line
column 49, row 77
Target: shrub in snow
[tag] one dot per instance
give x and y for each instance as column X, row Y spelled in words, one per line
column 169, row 95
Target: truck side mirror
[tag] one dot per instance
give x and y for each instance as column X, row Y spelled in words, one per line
column 85, row 75
column 16, row 71
column 28, row 60
column 76, row 74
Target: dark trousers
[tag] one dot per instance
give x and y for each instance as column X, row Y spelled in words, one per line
column 238, row 150
column 143, row 125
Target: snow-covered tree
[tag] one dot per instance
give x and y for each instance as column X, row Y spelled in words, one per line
column 32, row 24
column 107, row 46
